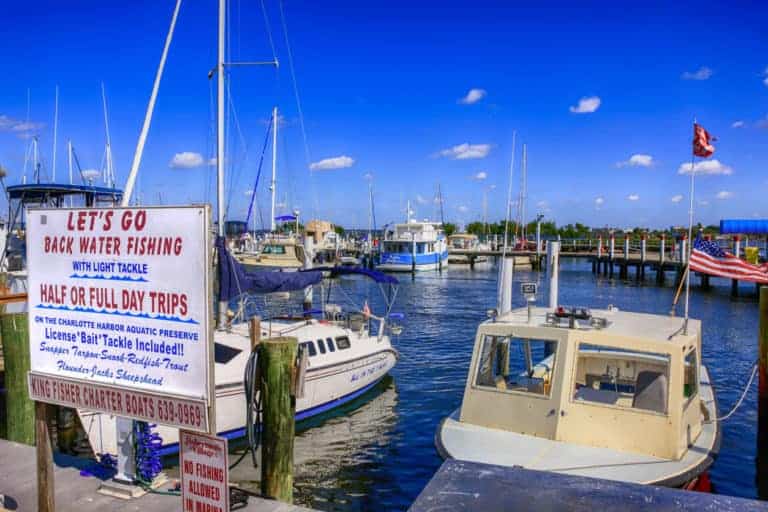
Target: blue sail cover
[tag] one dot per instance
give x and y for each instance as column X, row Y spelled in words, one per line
column 379, row 277
column 234, row 280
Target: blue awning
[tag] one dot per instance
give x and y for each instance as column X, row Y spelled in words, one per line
column 285, row 217
column 744, row 227
column 234, row 280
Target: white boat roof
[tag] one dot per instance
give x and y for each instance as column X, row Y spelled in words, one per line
column 626, row 324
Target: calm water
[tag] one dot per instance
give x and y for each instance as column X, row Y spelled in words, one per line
column 380, row 455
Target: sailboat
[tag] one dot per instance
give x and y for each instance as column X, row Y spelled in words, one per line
column 348, row 351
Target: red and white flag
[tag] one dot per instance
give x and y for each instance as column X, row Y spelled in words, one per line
column 708, row 257
column 702, row 142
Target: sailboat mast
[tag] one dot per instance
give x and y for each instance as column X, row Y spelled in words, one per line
column 524, row 191
column 109, row 177
column 55, row 127
column 370, row 216
column 273, row 183
column 220, row 118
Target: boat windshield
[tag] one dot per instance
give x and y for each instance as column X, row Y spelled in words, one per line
column 516, row 364
column 273, row 249
column 622, row 378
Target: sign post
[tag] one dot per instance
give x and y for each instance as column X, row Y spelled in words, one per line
column 120, row 313
column 529, row 292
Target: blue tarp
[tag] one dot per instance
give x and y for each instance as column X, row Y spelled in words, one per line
column 234, row 280
column 377, row 276
column 744, row 227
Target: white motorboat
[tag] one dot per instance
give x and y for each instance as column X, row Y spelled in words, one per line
column 463, row 243
column 609, row 394
column 413, row 246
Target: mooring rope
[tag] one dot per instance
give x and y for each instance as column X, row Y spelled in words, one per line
column 741, row 398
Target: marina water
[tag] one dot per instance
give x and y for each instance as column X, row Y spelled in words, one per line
column 379, row 453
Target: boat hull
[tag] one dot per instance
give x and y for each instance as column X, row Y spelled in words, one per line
column 325, row 388
column 462, row 441
column 394, row 262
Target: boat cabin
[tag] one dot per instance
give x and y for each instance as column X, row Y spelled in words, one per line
column 465, row 241
column 608, row 379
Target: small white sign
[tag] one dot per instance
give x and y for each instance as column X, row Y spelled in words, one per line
column 529, row 290
column 204, row 472
column 120, row 299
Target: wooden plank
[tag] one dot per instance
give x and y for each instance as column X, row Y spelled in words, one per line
column 461, row 485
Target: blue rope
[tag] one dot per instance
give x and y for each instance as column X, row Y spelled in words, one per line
column 148, row 444
column 258, row 175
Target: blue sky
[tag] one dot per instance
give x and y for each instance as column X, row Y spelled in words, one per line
column 382, row 82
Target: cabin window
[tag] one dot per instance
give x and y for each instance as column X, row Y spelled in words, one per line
column 516, row 364
column 421, row 248
column 321, row 346
column 342, row 342
column 691, row 383
column 329, row 342
column 273, row 249
column 622, row 378
column 310, row 347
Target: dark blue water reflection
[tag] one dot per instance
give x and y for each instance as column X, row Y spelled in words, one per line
column 381, row 455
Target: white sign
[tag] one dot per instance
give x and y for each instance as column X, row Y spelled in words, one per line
column 204, row 472
column 119, row 311
column 529, row 290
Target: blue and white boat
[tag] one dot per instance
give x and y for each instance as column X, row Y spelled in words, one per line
column 413, row 246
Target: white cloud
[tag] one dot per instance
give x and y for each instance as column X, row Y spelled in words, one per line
column 480, row 176
column 587, row 105
column 186, row 160
column 542, row 205
column 737, row 124
column 637, row 160
column 420, row 199
column 724, row 194
column 90, row 174
column 705, row 167
column 703, row 202
column 599, row 202
column 336, row 162
column 466, row 151
column 703, row 73
column 765, row 80
column 473, row 96
column 633, row 197
column 677, row 198
column 462, row 208
column 22, row 129
column 368, row 176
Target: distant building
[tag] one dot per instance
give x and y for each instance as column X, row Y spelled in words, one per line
column 317, row 229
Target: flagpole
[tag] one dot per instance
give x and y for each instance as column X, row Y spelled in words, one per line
column 690, row 239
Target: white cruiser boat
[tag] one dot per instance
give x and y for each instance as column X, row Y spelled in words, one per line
column 465, row 242
column 413, row 246
column 608, row 394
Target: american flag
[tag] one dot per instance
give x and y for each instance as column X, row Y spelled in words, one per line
column 702, row 142
column 709, row 258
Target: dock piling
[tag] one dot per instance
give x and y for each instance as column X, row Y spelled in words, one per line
column 19, row 409
column 762, row 397
column 277, row 359
column 44, row 451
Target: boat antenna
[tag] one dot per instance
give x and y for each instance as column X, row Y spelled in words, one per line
column 690, row 239
column 507, row 220
column 440, row 204
column 148, row 117
column 55, row 129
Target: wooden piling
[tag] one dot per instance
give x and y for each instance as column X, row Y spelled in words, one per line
column 19, row 409
column 762, row 397
column 277, row 358
column 45, row 483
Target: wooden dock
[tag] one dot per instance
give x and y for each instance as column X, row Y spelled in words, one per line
column 463, row 486
column 76, row 493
